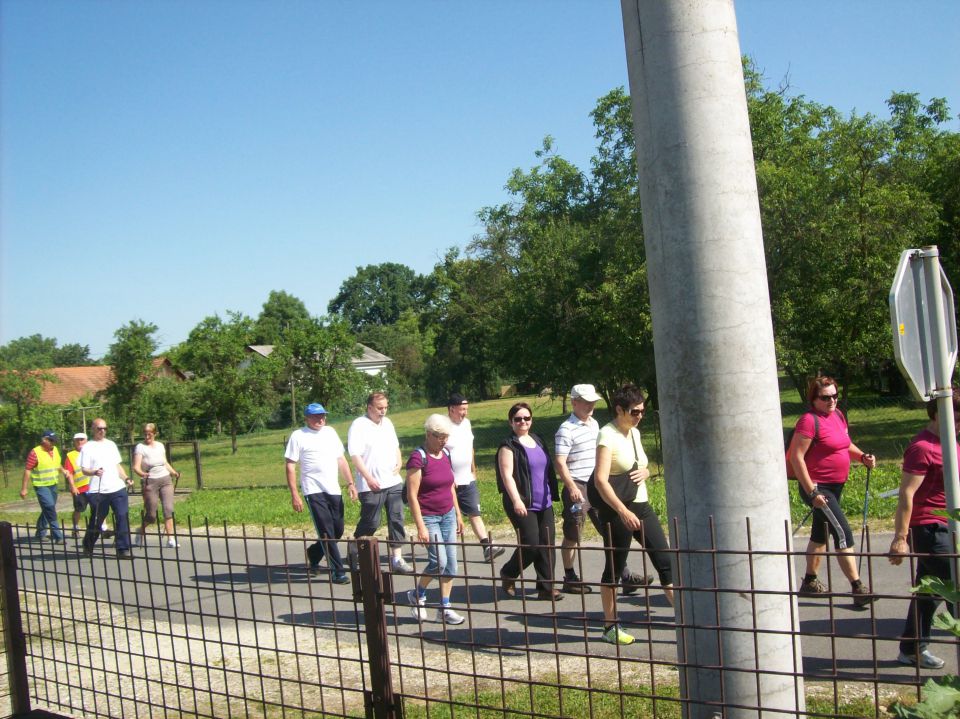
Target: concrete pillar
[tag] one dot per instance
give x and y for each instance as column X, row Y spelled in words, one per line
column 716, row 369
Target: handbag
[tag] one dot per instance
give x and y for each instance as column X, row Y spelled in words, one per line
column 621, row 484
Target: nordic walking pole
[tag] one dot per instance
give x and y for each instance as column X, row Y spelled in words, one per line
column 863, row 529
column 802, row 522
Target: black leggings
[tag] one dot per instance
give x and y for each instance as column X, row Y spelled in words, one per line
column 616, row 539
column 537, row 534
column 822, row 521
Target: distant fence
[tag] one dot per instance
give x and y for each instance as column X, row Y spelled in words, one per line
column 237, row 626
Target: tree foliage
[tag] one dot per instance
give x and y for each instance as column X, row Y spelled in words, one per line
column 280, row 312
column 230, row 384
column 131, row 364
column 39, row 352
column 377, row 295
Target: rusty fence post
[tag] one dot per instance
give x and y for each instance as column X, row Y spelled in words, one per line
column 197, row 464
column 15, row 644
column 376, row 589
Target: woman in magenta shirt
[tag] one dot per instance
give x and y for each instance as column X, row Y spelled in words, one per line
column 820, row 454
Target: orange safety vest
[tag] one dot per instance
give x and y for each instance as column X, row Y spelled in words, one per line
column 47, row 469
column 80, row 480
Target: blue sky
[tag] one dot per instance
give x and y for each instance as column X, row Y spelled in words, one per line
column 168, row 160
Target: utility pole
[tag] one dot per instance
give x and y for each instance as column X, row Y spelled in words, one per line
column 716, row 367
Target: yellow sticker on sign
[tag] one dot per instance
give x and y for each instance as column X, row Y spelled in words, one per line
column 903, row 329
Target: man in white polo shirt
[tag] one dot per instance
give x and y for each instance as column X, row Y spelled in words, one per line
column 320, row 454
column 100, row 460
column 460, row 446
column 575, row 458
column 375, row 452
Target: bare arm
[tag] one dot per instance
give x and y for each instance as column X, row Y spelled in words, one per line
column 560, row 464
column 413, row 499
column 909, row 484
column 505, row 462
column 291, row 470
column 26, row 484
column 347, row 477
column 361, row 466
column 858, row 455
column 796, row 454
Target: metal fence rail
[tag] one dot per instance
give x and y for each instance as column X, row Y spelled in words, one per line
column 235, row 625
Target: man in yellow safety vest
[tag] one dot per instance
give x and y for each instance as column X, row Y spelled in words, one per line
column 43, row 470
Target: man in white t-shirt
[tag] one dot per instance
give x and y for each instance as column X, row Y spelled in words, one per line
column 460, row 446
column 374, row 449
column 575, row 458
column 320, row 454
column 100, row 460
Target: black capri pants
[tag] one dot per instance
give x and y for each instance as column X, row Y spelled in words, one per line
column 822, row 521
column 616, row 539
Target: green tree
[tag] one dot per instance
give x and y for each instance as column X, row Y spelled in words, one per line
column 280, row 311
column 19, row 403
column 378, row 295
column 131, row 367
column 39, row 352
column 231, row 385
column 409, row 343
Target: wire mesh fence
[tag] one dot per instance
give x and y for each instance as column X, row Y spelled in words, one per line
column 238, row 624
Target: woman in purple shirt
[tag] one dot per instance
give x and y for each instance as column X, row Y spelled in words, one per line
column 433, row 503
column 528, row 483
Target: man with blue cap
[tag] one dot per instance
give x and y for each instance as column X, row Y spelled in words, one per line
column 320, row 453
column 43, row 469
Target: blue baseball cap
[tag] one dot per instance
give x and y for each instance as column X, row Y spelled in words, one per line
column 49, row 434
column 314, row 408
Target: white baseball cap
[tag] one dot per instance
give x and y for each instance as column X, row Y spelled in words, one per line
column 586, row 392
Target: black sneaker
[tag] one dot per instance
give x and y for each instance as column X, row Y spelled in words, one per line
column 863, row 597
column 88, row 552
column 574, row 585
column 124, row 554
column 491, row 552
column 631, row 582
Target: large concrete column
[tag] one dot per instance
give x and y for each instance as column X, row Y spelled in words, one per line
column 716, row 369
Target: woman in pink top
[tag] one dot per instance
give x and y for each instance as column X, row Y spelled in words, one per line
column 820, row 454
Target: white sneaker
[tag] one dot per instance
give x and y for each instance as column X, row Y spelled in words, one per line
column 417, row 606
column 172, row 543
column 446, row 615
column 137, row 539
column 400, row 566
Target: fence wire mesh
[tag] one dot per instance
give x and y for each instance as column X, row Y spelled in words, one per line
column 237, row 624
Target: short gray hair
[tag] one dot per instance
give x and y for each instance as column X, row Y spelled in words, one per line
column 438, row 423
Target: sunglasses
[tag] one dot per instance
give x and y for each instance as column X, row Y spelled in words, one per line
column 518, row 419
column 99, row 429
column 636, row 412
column 827, row 398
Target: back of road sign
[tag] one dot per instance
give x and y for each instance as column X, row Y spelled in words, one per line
column 911, row 316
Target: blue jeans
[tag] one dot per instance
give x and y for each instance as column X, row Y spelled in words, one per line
column 442, row 549
column 47, row 497
column 101, row 504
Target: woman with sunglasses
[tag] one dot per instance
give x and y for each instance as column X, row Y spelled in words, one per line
column 620, row 490
column 526, row 479
column 820, row 453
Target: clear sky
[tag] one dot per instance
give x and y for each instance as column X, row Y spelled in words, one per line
column 166, row 160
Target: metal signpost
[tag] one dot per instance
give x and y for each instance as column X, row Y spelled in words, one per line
column 925, row 346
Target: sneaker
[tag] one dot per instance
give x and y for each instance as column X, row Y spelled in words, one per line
column 399, row 566
column 107, row 533
column 124, row 554
column 862, row 596
column 417, row 606
column 813, row 588
column 631, row 582
column 573, row 585
column 172, row 543
column 88, row 552
column 927, row 660
column 446, row 615
column 491, row 551
column 313, row 570
column 341, row 578
column 615, row 635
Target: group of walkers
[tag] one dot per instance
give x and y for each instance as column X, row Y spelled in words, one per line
column 97, row 479
column 596, row 473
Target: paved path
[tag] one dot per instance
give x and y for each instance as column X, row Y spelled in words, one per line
column 265, row 580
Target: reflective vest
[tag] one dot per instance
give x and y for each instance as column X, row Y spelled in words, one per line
column 80, row 480
column 47, row 469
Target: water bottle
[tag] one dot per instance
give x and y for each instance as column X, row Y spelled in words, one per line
column 576, row 508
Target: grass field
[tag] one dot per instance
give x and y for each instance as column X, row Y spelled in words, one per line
column 249, row 488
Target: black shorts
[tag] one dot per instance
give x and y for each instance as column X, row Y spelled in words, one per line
column 80, row 502
column 468, row 497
